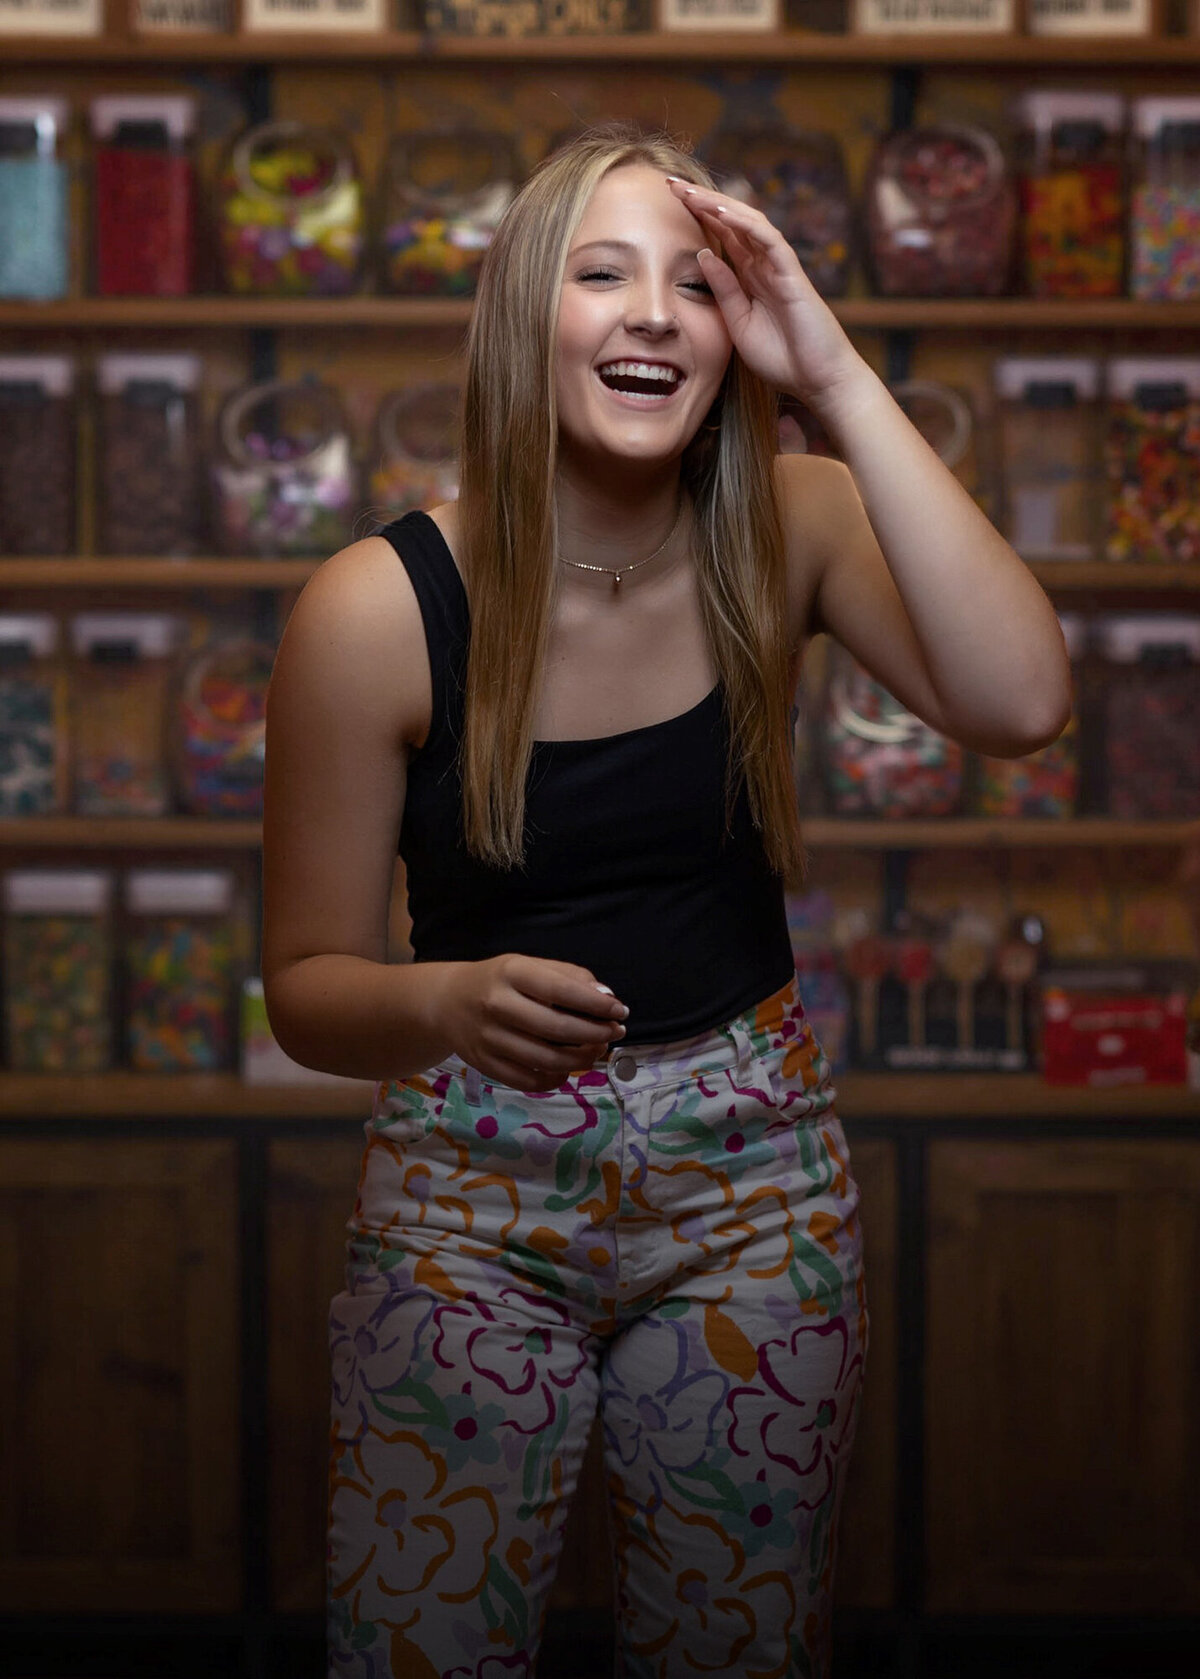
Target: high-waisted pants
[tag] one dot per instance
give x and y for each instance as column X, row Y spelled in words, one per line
column 672, row 1237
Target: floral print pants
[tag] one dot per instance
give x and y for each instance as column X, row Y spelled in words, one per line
column 672, row 1237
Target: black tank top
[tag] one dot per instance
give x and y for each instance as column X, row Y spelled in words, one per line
column 630, row 867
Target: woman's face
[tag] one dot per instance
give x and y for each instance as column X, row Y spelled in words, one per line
column 642, row 345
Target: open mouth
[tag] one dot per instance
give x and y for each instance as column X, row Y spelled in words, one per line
column 641, row 381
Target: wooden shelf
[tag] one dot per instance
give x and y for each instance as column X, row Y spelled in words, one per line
column 798, row 47
column 862, row 314
column 163, row 833
column 918, row 1096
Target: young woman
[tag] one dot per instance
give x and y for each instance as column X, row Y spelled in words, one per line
column 604, row 1170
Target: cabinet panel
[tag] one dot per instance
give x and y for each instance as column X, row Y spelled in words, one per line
column 1062, row 1377
column 119, row 1453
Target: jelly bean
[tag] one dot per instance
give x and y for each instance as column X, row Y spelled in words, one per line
column 1073, row 231
column 1166, row 243
column 180, row 980
column 1152, row 466
column 58, row 996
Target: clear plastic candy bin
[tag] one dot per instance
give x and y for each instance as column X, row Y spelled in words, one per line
column 877, row 759
column 149, row 457
column 1151, row 700
column 415, row 454
column 1071, row 164
column 121, row 682
column 292, row 213
column 143, row 195
column 34, row 716
column 1050, row 455
column 37, row 455
column 58, row 970
column 1152, row 459
column 35, row 241
column 443, row 197
column 180, row 962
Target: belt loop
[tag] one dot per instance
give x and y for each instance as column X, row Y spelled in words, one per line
column 745, row 1050
column 474, row 1087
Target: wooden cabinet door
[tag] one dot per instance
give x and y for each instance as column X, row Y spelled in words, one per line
column 119, row 1456
column 866, row 1567
column 1062, row 1377
column 312, row 1183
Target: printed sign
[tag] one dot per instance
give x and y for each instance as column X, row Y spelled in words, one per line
column 916, row 17
column 207, row 17
column 719, row 14
column 1091, row 17
column 300, row 16
column 51, row 17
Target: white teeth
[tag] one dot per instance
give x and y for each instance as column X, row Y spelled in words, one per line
column 641, row 370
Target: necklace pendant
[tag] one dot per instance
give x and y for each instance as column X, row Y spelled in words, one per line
column 616, row 582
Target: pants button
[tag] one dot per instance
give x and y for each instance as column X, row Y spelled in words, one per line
column 624, row 1067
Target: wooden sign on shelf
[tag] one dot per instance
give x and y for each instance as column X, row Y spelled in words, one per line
column 934, row 17
column 719, row 14
column 181, row 17
column 51, row 17
column 260, row 17
column 1095, row 17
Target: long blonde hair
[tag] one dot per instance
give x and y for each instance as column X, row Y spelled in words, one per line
column 508, row 526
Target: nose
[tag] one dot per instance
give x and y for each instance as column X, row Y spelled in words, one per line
column 650, row 310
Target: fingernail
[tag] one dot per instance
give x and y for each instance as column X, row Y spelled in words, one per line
column 607, row 989
column 624, row 1012
column 674, row 177
column 720, row 209
column 690, row 193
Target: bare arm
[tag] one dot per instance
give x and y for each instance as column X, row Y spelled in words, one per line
column 349, row 696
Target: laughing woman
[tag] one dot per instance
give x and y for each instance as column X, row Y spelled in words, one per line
column 604, row 1169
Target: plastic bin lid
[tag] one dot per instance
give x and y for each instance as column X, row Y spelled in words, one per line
column 57, row 891
column 1014, row 374
column 152, row 633
column 39, row 629
column 35, row 107
column 114, row 372
column 1042, row 107
column 1149, row 115
column 174, row 891
column 55, row 374
column 1123, row 639
column 176, row 110
column 1126, row 373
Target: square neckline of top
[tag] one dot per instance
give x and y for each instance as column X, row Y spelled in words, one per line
column 558, row 742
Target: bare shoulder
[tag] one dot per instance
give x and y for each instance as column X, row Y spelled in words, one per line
column 812, row 492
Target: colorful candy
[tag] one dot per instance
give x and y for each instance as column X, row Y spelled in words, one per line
column 1073, row 234
column 1152, row 460
column 292, row 215
column 878, row 759
column 33, row 716
column 58, row 972
column 416, row 437
column 222, row 726
column 798, row 180
column 121, row 681
column 1165, row 208
column 180, row 986
column 443, row 197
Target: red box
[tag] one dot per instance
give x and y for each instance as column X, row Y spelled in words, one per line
column 1105, row 1038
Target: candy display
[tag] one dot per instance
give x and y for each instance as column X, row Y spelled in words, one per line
column 284, row 481
column 120, row 689
column 222, row 728
column 964, row 957
column 292, row 217
column 1151, row 699
column 179, row 970
column 416, row 437
column 143, row 195
column 1044, row 783
column 798, row 180
column 148, row 454
column 940, row 213
column 443, row 196
column 1152, row 459
column 878, row 759
column 33, row 716
column 34, row 187
column 1165, row 201
column 1049, row 455
column 37, row 455
column 58, row 960
column 1071, row 184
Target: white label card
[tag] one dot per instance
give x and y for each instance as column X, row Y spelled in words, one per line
column 51, row 17
column 299, row 16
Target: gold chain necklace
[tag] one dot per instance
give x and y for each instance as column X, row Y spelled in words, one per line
column 582, row 565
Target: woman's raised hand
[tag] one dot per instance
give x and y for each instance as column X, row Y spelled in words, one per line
column 525, row 1020
column 780, row 325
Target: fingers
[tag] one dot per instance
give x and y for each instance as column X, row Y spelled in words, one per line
column 719, row 212
column 561, row 985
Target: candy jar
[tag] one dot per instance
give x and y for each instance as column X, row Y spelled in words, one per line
column 34, row 716
column 1071, row 182
column 1151, row 700
column 443, row 197
column 1152, row 459
column 120, row 702
column 292, row 219
column 415, row 453
column 798, row 180
column 179, row 965
column 940, row 213
column 221, row 735
column 1045, row 783
column 37, row 455
column 284, row 480
column 148, row 454
column 878, row 759
column 143, row 195
column 1049, row 454
column 58, row 959
column 1165, row 203
column 34, row 188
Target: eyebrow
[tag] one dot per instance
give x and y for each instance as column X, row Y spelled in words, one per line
column 626, row 245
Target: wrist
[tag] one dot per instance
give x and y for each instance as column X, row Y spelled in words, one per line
column 843, row 400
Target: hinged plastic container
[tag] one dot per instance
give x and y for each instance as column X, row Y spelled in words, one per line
column 121, row 689
column 180, row 970
column 292, row 217
column 1151, row 701
column 443, row 197
column 284, row 478
column 35, row 242
column 1071, row 176
column 34, row 716
column 58, row 962
column 1165, row 201
column 877, row 759
column 1050, row 455
column 37, row 455
column 149, row 455
column 416, row 444
column 143, row 194
column 1045, row 783
column 222, row 727
column 1152, row 459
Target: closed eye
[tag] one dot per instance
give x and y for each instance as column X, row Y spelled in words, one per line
column 700, row 286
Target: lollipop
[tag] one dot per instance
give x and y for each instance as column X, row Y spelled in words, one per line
column 1016, row 964
column 965, row 958
column 866, row 960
